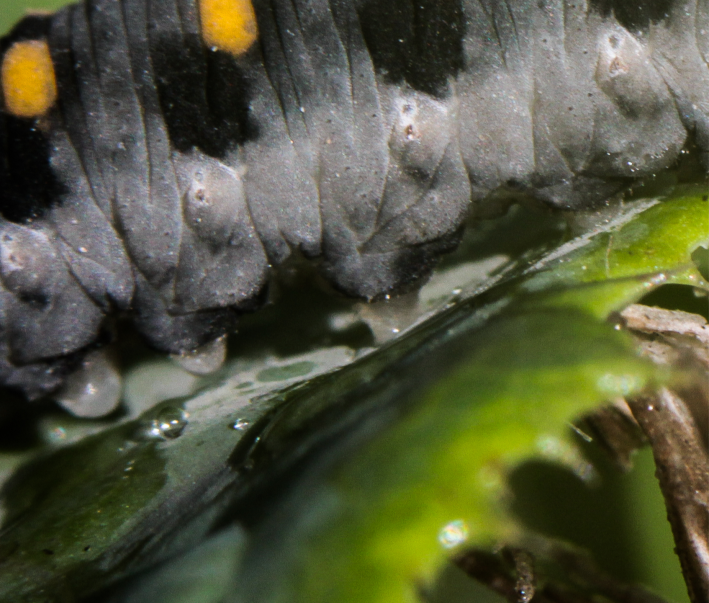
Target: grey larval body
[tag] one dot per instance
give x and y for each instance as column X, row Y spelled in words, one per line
column 169, row 176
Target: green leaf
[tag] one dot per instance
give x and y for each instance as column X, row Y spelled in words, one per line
column 384, row 518
column 647, row 247
column 357, row 475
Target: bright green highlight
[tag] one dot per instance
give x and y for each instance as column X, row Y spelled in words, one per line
column 509, row 399
column 622, row 264
column 13, row 10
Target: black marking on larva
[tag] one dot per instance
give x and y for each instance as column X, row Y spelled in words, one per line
column 229, row 96
column 635, row 16
column 28, row 187
column 416, row 41
column 204, row 94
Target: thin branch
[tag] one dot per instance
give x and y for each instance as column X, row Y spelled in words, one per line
column 583, row 580
column 683, row 472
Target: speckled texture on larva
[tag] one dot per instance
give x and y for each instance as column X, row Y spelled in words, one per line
column 169, row 175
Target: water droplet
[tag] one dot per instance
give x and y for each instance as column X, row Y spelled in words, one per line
column 169, row 424
column 205, row 359
column 453, row 534
column 524, row 595
column 658, row 279
column 241, row 425
column 57, row 434
column 95, row 389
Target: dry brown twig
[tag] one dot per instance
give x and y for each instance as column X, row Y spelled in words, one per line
column 682, row 468
column 676, row 425
column 584, row 581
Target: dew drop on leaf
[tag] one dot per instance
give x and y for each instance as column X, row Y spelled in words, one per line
column 169, row 423
column 453, row 534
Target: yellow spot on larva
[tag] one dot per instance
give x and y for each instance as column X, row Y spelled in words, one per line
column 228, row 25
column 28, row 82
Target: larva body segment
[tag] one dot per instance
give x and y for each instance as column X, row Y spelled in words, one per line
column 189, row 145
